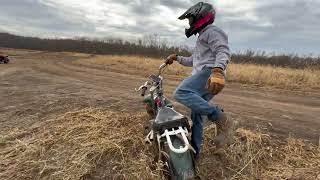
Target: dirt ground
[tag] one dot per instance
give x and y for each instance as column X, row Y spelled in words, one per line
column 36, row 86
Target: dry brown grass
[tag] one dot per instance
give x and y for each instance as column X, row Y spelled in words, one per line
column 255, row 155
column 80, row 145
column 275, row 76
column 285, row 78
column 102, row 144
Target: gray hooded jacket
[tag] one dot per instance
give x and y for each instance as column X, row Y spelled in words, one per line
column 211, row 50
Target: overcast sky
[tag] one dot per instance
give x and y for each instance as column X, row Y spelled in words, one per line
column 273, row 25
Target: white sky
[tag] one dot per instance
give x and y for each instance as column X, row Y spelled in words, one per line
column 274, row 25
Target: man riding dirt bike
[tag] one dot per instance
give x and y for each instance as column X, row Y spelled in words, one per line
column 209, row 62
column 169, row 128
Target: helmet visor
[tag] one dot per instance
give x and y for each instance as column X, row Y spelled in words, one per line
column 193, row 11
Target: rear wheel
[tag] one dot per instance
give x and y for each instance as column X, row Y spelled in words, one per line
column 178, row 166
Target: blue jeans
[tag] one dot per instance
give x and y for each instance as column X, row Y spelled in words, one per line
column 193, row 94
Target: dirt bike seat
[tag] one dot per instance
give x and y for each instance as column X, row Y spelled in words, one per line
column 168, row 118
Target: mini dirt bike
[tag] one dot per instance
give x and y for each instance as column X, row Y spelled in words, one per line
column 169, row 129
column 4, row 59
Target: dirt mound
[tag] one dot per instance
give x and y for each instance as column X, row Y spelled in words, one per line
column 102, row 144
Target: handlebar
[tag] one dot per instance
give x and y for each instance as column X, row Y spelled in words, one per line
column 143, row 92
column 161, row 67
column 143, row 88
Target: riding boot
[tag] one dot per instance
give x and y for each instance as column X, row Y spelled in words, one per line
column 225, row 128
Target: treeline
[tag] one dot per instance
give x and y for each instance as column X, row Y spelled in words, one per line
column 150, row 45
column 282, row 60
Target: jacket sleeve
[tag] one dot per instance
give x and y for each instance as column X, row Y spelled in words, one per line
column 218, row 43
column 186, row 61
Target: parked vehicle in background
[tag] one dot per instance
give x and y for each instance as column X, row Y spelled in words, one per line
column 4, row 59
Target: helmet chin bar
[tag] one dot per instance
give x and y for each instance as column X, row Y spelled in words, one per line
column 198, row 26
column 189, row 32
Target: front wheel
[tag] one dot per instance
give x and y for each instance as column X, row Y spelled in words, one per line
column 178, row 166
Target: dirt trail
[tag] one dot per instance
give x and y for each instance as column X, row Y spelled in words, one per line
column 37, row 86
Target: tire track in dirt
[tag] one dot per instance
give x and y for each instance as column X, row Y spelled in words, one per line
column 45, row 85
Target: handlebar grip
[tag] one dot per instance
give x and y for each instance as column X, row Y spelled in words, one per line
column 143, row 92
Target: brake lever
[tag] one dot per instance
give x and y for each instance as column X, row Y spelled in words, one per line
column 147, row 83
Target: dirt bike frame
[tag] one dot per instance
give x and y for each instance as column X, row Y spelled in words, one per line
column 159, row 101
column 170, row 128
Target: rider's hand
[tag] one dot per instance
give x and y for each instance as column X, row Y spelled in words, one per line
column 216, row 81
column 171, row 58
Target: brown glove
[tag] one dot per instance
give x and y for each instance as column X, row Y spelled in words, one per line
column 216, row 81
column 171, row 58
